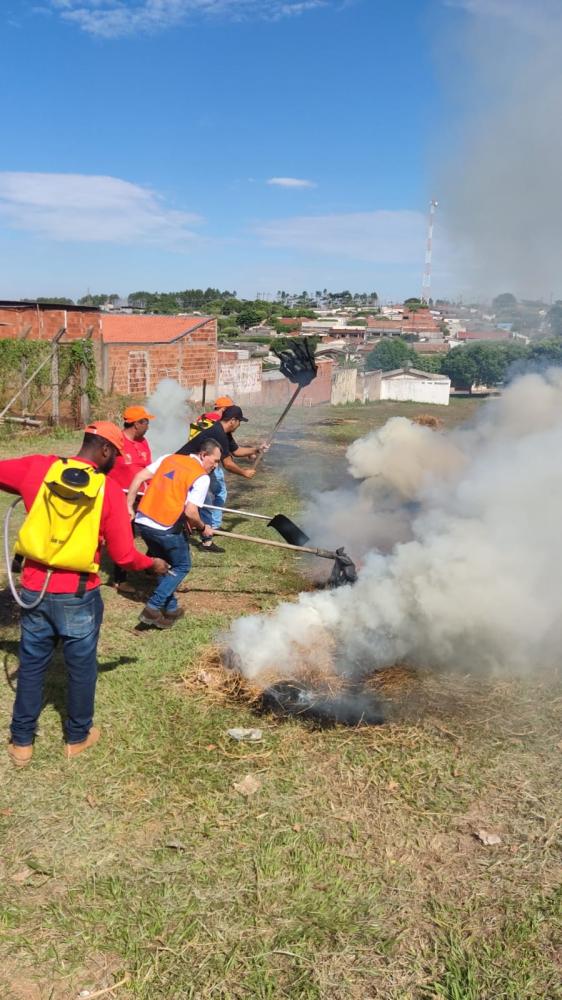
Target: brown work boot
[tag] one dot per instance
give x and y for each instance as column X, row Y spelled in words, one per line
column 73, row 749
column 20, row 756
column 174, row 616
column 151, row 616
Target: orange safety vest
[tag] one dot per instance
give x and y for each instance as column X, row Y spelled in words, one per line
column 165, row 498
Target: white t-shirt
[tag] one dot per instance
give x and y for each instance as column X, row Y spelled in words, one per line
column 195, row 495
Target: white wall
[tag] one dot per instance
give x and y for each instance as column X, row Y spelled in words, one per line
column 344, row 386
column 408, row 388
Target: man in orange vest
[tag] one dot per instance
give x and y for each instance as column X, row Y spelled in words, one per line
column 178, row 487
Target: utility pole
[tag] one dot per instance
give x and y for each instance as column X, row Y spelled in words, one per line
column 426, row 283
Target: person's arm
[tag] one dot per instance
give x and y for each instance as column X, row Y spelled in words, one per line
column 248, row 451
column 140, row 478
column 230, row 464
column 195, row 499
column 137, row 482
column 13, row 472
column 116, row 530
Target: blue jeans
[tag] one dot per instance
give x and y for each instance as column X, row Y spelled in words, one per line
column 217, row 495
column 76, row 621
column 174, row 548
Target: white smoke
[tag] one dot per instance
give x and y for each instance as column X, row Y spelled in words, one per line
column 499, row 175
column 475, row 586
column 173, row 408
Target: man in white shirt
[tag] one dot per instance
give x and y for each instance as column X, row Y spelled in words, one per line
column 177, row 489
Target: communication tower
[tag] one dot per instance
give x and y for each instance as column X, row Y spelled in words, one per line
column 426, row 283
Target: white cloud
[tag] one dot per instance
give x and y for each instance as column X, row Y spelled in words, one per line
column 382, row 237
column 91, row 209
column 290, row 182
column 116, row 18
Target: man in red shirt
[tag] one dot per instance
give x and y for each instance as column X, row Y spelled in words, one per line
column 136, row 450
column 72, row 608
column 136, row 456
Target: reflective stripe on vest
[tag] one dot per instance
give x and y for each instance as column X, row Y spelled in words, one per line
column 166, row 496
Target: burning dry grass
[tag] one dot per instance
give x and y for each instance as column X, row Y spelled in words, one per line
column 318, row 695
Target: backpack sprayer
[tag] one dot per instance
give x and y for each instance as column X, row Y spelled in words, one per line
column 61, row 530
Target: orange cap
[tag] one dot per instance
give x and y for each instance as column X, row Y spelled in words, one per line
column 133, row 413
column 223, row 401
column 109, row 431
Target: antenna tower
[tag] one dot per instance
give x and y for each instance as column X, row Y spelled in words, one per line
column 426, row 283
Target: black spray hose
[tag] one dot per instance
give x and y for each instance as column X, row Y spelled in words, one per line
column 8, row 556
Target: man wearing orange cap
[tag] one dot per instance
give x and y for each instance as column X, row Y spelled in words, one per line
column 136, row 456
column 225, row 413
column 217, row 494
column 71, row 609
column 136, row 450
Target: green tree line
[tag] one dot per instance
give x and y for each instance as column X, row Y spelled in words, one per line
column 473, row 364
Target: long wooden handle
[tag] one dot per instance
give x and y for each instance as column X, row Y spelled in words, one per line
column 323, row 553
column 278, row 424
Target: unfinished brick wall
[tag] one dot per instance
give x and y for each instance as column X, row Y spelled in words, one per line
column 189, row 360
column 277, row 391
column 43, row 324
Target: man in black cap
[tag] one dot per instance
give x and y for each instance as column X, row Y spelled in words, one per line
column 222, row 431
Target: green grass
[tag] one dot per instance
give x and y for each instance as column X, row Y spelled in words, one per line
column 353, row 873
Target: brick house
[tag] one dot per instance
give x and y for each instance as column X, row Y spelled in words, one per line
column 133, row 353
column 139, row 351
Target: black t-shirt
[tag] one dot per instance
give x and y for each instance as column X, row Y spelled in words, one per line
column 225, row 441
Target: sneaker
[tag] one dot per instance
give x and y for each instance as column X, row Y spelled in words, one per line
column 155, row 617
column 73, row 749
column 211, row 548
column 174, row 616
column 20, row 756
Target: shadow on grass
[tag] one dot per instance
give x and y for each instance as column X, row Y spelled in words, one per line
column 55, row 677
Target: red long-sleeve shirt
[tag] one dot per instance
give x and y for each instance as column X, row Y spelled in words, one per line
column 136, row 456
column 24, row 476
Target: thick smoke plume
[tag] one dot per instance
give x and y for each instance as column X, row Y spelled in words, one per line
column 461, row 550
column 173, row 409
column 500, row 190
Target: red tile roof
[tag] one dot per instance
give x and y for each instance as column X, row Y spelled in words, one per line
column 431, row 347
column 126, row 329
column 483, row 335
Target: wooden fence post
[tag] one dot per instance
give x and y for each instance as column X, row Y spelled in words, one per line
column 55, row 385
column 84, row 406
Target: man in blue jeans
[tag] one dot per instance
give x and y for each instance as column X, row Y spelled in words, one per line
column 177, row 489
column 71, row 610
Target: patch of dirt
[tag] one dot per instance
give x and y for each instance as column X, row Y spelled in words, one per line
column 220, row 601
column 101, row 972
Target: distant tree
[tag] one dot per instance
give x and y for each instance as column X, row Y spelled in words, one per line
column 249, row 315
column 546, row 352
column 390, row 353
column 554, row 318
column 60, row 300
column 486, row 364
column 504, row 301
column 460, row 368
column 413, row 304
column 429, row 362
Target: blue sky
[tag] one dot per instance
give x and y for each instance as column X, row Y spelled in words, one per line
column 254, row 145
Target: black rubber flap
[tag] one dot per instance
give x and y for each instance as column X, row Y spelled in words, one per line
column 288, row 530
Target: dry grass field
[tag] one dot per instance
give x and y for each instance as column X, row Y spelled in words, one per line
column 355, row 870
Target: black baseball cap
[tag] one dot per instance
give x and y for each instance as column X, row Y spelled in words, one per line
column 234, row 413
